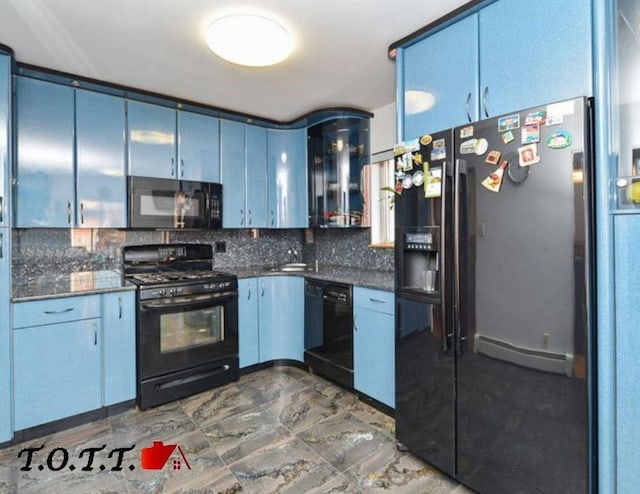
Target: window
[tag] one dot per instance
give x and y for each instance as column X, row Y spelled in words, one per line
column 382, row 201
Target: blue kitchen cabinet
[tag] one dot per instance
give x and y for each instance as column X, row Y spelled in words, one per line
column 287, row 178
column 281, row 318
column 232, row 169
column 5, row 336
column 119, row 337
column 101, row 160
column 441, row 79
column 57, row 371
column 45, row 154
column 198, row 147
column 255, row 177
column 627, row 301
column 248, row 322
column 5, row 140
column 532, row 53
column 374, row 344
column 152, row 140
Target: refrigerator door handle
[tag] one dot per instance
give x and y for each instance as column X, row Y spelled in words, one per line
column 443, row 258
column 460, row 169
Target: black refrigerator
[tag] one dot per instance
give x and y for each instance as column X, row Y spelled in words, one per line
column 494, row 290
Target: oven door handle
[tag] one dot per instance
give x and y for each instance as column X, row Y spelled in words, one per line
column 191, row 302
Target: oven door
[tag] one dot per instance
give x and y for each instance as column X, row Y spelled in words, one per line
column 179, row 333
column 167, row 203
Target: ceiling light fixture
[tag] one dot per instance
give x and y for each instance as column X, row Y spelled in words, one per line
column 247, row 39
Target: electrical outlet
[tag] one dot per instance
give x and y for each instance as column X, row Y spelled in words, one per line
column 221, row 246
column 545, row 340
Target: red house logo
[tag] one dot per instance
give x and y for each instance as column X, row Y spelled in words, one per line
column 157, row 456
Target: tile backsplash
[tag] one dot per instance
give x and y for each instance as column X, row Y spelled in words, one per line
column 39, row 251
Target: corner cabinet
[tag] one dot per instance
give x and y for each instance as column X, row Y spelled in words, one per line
column 169, row 143
column 70, row 157
column 506, row 56
column 374, row 344
column 243, row 165
column 287, row 179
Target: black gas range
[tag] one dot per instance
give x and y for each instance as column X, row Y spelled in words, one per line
column 187, row 321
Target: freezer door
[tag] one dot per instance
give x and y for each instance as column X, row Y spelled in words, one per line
column 424, row 384
column 522, row 300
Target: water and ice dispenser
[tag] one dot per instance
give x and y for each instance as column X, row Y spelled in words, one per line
column 420, row 260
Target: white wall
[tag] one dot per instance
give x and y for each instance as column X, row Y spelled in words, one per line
column 383, row 128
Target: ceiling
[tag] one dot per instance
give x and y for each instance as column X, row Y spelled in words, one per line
column 340, row 57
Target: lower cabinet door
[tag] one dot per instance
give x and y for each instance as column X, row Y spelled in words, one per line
column 248, row 335
column 374, row 355
column 119, row 330
column 281, row 318
column 57, row 372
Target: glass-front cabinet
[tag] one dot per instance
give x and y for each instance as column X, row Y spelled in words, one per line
column 338, row 158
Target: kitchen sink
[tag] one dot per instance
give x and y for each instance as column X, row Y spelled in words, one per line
column 291, row 267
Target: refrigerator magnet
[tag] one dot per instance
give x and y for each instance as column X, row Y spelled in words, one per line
column 481, row 146
column 417, row 158
column 530, row 133
column 425, row 140
column 559, row 140
column 493, row 157
column 468, row 147
column 418, row 178
column 537, row 117
column 510, row 122
column 407, row 162
column 466, row 132
column 407, row 182
column 528, row 155
column 494, row 181
column 507, row 137
column 438, row 153
column 433, row 183
column 554, row 120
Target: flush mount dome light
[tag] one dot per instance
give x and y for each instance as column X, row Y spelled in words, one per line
column 251, row 40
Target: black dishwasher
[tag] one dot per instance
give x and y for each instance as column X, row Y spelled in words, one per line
column 328, row 330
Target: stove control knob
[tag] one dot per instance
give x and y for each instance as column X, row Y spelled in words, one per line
column 179, row 291
column 172, row 291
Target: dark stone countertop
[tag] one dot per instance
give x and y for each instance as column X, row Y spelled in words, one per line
column 68, row 285
column 380, row 280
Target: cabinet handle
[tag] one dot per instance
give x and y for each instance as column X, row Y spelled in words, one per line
column 249, row 217
column 355, row 318
column 69, row 309
column 468, row 106
column 377, row 300
column 272, row 218
column 242, row 217
column 119, row 307
column 1, row 245
column 182, row 168
column 485, row 94
column 262, row 284
column 95, row 334
column 82, row 213
column 69, row 212
column 173, row 167
column 249, row 292
column 1, row 209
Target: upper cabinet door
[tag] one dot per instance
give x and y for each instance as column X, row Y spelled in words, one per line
column 441, row 79
column 198, row 147
column 287, row 163
column 152, row 140
column 101, row 166
column 532, row 53
column 45, row 154
column 255, row 183
column 232, row 169
column 5, row 139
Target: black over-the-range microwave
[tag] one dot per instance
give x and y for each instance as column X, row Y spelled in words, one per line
column 174, row 204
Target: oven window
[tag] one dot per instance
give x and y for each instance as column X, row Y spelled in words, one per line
column 191, row 328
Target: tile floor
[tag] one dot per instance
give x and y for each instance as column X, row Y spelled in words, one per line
column 278, row 430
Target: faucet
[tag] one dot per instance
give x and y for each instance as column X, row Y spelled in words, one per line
column 293, row 253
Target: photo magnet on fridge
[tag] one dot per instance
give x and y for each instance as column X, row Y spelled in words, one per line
column 528, row 155
column 466, row 131
column 530, row 133
column 507, row 137
column 510, row 122
column 535, row 117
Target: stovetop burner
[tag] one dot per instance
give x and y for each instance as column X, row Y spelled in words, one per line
column 158, row 277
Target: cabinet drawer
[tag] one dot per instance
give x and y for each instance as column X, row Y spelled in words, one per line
column 51, row 311
column 377, row 300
